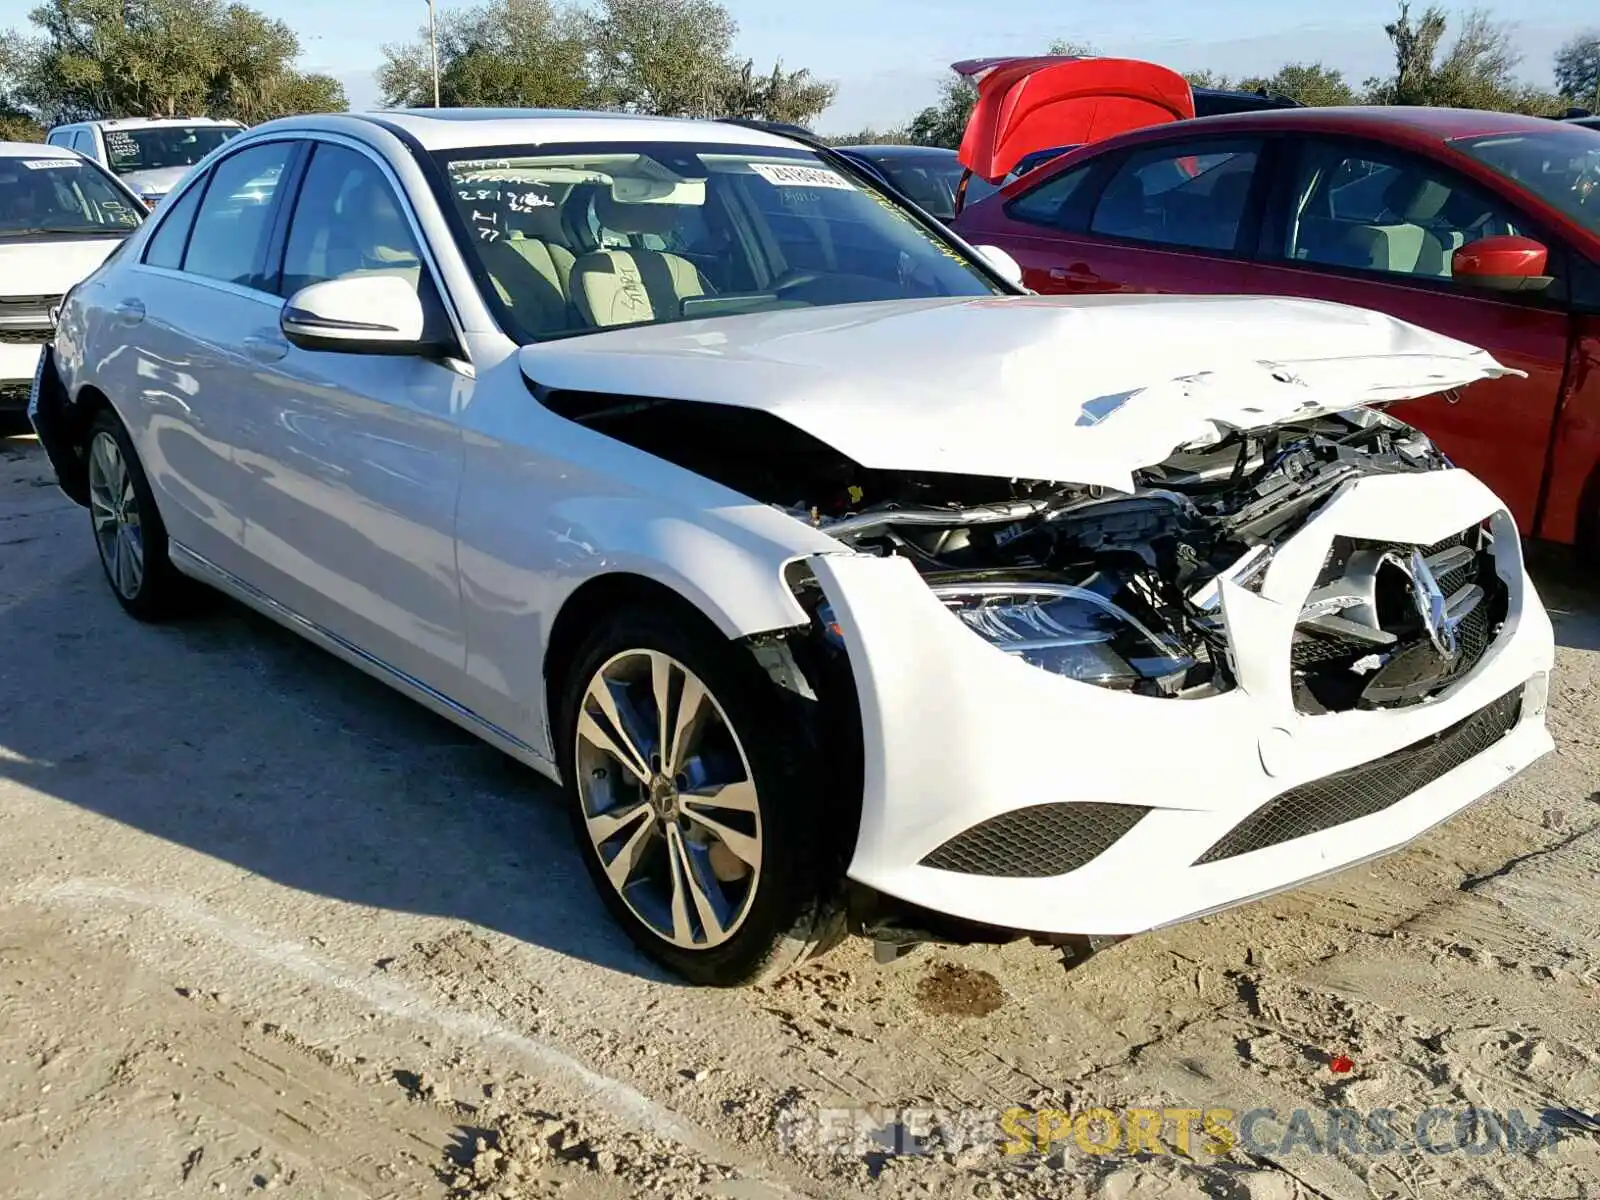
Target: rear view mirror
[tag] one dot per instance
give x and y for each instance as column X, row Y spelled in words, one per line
column 1502, row 264
column 1001, row 263
column 360, row 314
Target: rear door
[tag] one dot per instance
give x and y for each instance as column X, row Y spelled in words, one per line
column 1361, row 223
column 1179, row 216
column 183, row 316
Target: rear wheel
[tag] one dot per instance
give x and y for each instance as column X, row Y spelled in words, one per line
column 687, row 788
column 128, row 532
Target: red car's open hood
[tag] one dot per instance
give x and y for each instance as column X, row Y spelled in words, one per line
column 1028, row 104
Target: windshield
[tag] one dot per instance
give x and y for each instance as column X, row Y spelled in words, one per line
column 1561, row 167
column 931, row 180
column 152, row 148
column 572, row 242
column 62, row 195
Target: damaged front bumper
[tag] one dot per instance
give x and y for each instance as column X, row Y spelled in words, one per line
column 999, row 793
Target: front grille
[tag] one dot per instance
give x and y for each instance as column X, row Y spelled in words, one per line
column 26, row 312
column 1036, row 842
column 15, row 395
column 1333, row 671
column 26, row 337
column 1371, row 787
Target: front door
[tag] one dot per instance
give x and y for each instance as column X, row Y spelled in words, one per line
column 357, row 456
column 1376, row 227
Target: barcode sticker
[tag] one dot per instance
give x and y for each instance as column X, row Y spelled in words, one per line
column 783, row 175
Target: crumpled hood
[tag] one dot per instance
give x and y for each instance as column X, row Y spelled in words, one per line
column 155, row 182
column 1083, row 390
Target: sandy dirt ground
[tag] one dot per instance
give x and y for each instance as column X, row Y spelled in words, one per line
column 265, row 926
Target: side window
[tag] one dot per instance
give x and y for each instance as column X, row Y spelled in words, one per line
column 1376, row 211
column 1191, row 195
column 232, row 222
column 83, row 143
column 1046, row 204
column 347, row 221
column 166, row 245
column 60, row 137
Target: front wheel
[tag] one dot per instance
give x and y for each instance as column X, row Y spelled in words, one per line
column 685, row 779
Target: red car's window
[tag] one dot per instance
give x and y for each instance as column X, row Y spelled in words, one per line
column 1395, row 213
column 1180, row 196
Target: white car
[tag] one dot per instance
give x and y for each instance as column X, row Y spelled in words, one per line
column 841, row 584
column 60, row 216
column 150, row 154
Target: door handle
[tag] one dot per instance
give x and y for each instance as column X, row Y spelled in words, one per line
column 129, row 312
column 1076, row 273
column 265, row 349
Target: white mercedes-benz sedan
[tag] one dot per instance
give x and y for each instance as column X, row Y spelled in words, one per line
column 842, row 585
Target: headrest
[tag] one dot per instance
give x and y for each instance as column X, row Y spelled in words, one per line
column 636, row 218
column 1413, row 197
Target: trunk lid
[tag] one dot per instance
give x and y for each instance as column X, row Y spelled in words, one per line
column 1030, row 104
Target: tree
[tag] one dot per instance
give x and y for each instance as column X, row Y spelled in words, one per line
column 1478, row 70
column 793, row 97
column 667, row 57
column 1578, row 70
column 505, row 53
column 1210, row 79
column 121, row 58
column 942, row 124
column 1309, row 83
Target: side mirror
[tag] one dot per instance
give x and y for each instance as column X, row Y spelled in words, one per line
column 1502, row 264
column 359, row 314
column 1001, row 263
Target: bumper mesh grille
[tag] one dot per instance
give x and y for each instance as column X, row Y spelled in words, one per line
column 1036, row 842
column 1371, row 787
column 26, row 337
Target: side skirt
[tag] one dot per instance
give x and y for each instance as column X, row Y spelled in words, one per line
column 203, row 569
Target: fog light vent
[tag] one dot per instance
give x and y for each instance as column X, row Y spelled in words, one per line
column 1036, row 842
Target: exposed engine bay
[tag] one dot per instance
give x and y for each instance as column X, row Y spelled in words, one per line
column 1115, row 589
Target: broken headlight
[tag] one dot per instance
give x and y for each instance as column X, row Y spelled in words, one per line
column 1070, row 631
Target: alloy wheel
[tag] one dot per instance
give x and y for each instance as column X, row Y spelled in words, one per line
column 668, row 798
column 114, row 508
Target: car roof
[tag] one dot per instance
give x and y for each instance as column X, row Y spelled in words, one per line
column 35, row 150
column 466, row 128
column 898, row 150
column 158, row 122
column 1402, row 122
column 1420, row 128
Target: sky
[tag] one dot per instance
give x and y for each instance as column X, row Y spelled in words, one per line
column 888, row 56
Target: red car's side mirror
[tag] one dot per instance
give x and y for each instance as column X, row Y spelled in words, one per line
column 1503, row 264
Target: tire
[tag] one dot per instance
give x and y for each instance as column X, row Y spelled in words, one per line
column 747, row 750
column 128, row 532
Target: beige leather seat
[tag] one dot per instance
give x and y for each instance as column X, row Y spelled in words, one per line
column 627, row 286
column 538, row 237
column 1408, row 247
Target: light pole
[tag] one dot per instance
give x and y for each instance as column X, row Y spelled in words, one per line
column 433, row 50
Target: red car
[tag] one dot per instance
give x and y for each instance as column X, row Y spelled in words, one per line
column 1482, row 226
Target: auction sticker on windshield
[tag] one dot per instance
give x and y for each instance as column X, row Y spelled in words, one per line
column 785, row 175
column 48, row 164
